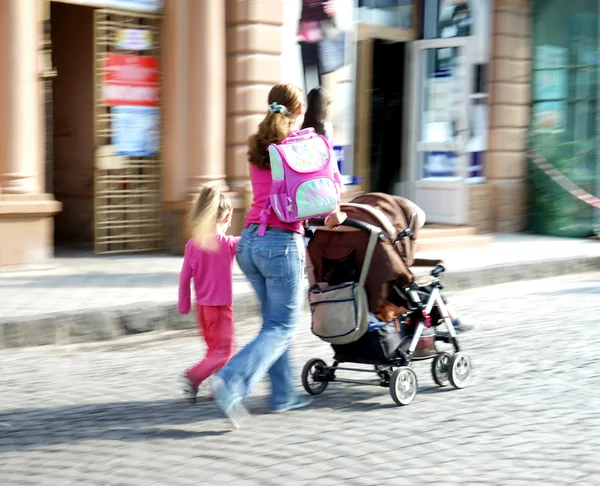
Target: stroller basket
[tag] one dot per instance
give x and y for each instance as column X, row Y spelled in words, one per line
column 340, row 313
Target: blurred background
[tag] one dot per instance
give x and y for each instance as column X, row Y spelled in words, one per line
column 113, row 112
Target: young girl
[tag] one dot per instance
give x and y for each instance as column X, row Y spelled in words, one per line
column 317, row 113
column 208, row 261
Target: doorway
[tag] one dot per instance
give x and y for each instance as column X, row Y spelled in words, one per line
column 103, row 157
column 71, row 160
column 387, row 115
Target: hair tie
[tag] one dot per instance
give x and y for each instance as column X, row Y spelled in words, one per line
column 277, row 108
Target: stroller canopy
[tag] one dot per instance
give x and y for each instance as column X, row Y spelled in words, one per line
column 398, row 218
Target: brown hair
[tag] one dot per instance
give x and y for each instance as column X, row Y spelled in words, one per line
column 276, row 125
column 209, row 210
column 317, row 102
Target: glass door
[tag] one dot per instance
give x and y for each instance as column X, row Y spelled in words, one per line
column 438, row 163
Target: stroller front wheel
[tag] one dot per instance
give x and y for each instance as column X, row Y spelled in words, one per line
column 459, row 370
column 403, row 385
column 314, row 376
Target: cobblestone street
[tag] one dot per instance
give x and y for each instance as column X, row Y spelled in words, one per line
column 112, row 414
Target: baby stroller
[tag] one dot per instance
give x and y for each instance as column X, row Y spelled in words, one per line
column 369, row 306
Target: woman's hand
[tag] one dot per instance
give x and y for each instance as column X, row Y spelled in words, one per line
column 329, row 8
column 335, row 219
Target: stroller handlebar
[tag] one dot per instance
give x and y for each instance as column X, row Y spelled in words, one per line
column 350, row 223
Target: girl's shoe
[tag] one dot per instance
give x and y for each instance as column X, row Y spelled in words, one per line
column 190, row 392
column 298, row 402
column 230, row 405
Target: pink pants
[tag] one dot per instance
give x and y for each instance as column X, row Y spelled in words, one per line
column 216, row 324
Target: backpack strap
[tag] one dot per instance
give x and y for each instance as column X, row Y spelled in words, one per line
column 264, row 218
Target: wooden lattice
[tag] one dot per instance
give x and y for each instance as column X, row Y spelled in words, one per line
column 128, row 209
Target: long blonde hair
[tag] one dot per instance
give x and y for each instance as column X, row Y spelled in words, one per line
column 208, row 211
column 284, row 103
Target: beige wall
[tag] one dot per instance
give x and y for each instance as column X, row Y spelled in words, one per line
column 510, row 86
column 254, row 48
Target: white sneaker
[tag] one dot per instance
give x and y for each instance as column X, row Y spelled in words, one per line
column 231, row 406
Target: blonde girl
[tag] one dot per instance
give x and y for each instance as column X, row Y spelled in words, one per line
column 208, row 261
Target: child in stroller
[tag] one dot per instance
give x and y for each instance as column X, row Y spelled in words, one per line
column 381, row 315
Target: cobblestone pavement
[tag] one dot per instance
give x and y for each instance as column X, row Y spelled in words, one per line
column 111, row 414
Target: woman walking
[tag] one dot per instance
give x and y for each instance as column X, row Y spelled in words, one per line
column 274, row 265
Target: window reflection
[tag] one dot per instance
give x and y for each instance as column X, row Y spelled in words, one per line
column 389, row 13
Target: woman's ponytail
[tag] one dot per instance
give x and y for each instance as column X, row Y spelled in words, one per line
column 285, row 101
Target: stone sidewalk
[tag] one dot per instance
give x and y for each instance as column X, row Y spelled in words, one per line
column 79, row 297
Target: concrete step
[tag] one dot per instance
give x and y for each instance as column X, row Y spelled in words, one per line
column 443, row 231
column 432, row 244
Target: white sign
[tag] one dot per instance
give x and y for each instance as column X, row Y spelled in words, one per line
column 138, row 5
column 136, row 131
column 133, row 39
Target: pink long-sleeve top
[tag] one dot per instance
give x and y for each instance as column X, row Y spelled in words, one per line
column 212, row 272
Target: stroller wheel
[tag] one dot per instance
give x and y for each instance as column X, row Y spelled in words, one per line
column 403, row 385
column 459, row 370
column 314, row 376
column 439, row 368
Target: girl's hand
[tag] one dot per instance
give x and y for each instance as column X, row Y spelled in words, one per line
column 329, row 8
column 335, row 219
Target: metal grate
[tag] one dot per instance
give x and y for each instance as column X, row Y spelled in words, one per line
column 128, row 210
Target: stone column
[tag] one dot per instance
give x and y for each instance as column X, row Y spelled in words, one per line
column 254, row 47
column 510, row 86
column 26, row 214
column 175, row 99
column 194, row 60
column 20, row 110
column 206, row 94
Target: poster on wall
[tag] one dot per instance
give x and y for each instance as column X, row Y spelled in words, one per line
column 466, row 18
column 136, row 131
column 319, row 52
column 455, row 18
column 133, row 39
column 131, row 80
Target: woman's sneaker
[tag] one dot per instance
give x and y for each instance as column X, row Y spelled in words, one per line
column 298, row 402
column 460, row 326
column 230, row 405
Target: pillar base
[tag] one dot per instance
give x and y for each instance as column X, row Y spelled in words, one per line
column 27, row 228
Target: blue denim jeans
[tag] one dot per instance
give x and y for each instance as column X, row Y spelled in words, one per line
column 274, row 265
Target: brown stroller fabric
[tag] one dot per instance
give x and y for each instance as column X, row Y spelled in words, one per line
column 391, row 261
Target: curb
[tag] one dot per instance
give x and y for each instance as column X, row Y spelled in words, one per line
column 97, row 325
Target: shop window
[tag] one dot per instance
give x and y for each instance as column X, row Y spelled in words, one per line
column 478, row 124
column 564, row 111
column 388, row 13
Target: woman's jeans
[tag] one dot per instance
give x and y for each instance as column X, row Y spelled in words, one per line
column 274, row 264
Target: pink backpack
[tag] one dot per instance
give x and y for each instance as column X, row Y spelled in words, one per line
column 306, row 181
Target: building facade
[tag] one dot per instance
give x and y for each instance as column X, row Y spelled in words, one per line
column 113, row 113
